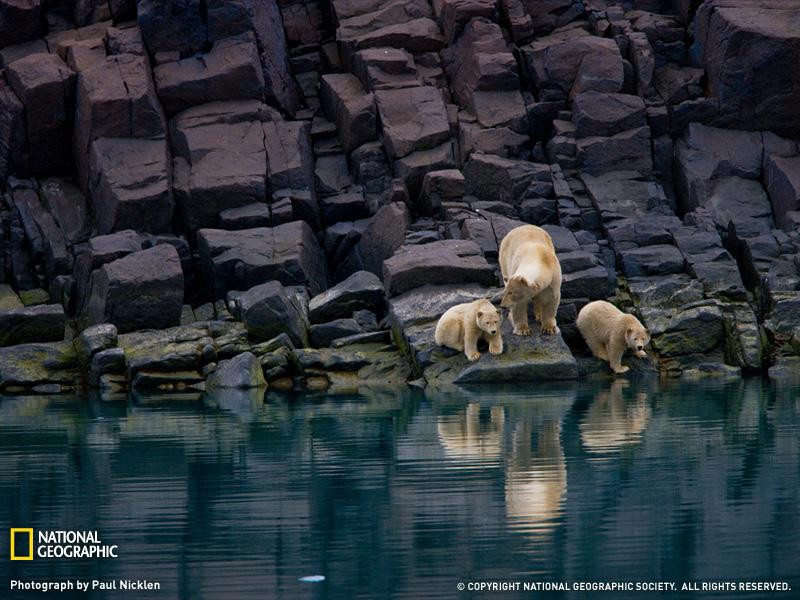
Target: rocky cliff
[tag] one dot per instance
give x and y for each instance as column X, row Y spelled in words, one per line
column 302, row 187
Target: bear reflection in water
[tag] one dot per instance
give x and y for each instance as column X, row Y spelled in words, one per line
column 613, row 422
column 536, row 478
column 469, row 437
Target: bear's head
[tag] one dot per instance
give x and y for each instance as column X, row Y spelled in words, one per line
column 636, row 337
column 517, row 290
column 488, row 318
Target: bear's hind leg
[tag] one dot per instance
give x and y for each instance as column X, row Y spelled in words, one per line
column 519, row 318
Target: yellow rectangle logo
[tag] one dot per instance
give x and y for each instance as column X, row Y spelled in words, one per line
column 22, row 530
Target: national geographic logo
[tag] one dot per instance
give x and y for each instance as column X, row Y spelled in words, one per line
column 25, row 544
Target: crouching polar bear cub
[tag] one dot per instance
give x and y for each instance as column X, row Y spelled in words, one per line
column 609, row 332
column 462, row 325
column 531, row 271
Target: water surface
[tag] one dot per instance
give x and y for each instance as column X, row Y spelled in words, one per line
column 402, row 494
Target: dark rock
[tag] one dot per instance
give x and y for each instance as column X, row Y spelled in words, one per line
column 555, row 61
column 232, row 17
column 130, row 185
column 344, row 206
column 385, row 68
column 652, row 260
column 20, row 21
column 704, row 154
column 323, row 335
column 25, row 366
column 782, row 179
column 43, row 323
column 231, row 70
column 46, row 87
column 746, row 47
column 385, row 233
column 443, row 262
column 438, row 186
column 629, row 150
column 94, row 339
column 245, row 217
column 240, row 372
column 125, row 40
column 171, row 26
column 599, row 114
column 115, row 98
column 68, row 207
column 289, row 253
column 411, row 169
column 331, row 174
column 105, row 362
column 679, row 332
column 223, row 159
column 412, row 119
column 142, row 290
column 495, row 178
column 267, row 311
column 352, row 109
column 361, row 291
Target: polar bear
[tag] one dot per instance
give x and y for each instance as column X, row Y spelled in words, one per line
column 462, row 325
column 609, row 332
column 531, row 271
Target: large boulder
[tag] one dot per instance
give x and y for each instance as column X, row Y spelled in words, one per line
column 385, row 233
column 44, row 368
column 115, row 98
column 554, row 62
column 221, row 159
column 350, row 107
column 13, row 143
column 267, row 311
column 413, row 316
column 46, row 87
column 172, row 26
column 243, row 371
column 226, row 18
column 235, row 260
column 782, row 179
column 139, row 291
column 412, row 119
column 601, row 114
column 500, row 179
column 704, row 154
column 628, row 150
column 361, row 291
column 231, row 70
column 442, row 262
column 749, row 49
column 130, row 185
column 659, row 259
column 42, row 323
column 20, row 20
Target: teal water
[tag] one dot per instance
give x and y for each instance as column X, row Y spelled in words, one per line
column 402, row 494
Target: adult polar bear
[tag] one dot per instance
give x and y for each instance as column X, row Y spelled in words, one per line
column 531, row 271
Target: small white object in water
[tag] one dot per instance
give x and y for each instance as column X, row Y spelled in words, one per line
column 312, row 578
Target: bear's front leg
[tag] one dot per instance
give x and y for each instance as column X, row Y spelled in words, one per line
column 519, row 318
column 471, row 345
column 548, row 307
column 615, row 351
column 496, row 344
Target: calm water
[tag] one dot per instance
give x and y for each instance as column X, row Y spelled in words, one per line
column 403, row 495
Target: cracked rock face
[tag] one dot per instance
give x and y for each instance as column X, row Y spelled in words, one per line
column 229, row 182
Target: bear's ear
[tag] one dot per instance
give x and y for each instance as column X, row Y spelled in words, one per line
column 629, row 331
column 480, row 314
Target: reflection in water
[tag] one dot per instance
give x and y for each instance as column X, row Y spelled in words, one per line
column 400, row 494
column 536, row 477
column 472, row 436
column 614, row 421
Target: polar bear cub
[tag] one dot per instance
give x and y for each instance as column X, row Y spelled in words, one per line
column 462, row 325
column 609, row 332
column 531, row 271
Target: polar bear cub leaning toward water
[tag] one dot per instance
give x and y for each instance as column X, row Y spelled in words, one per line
column 609, row 332
column 462, row 325
column 531, row 271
